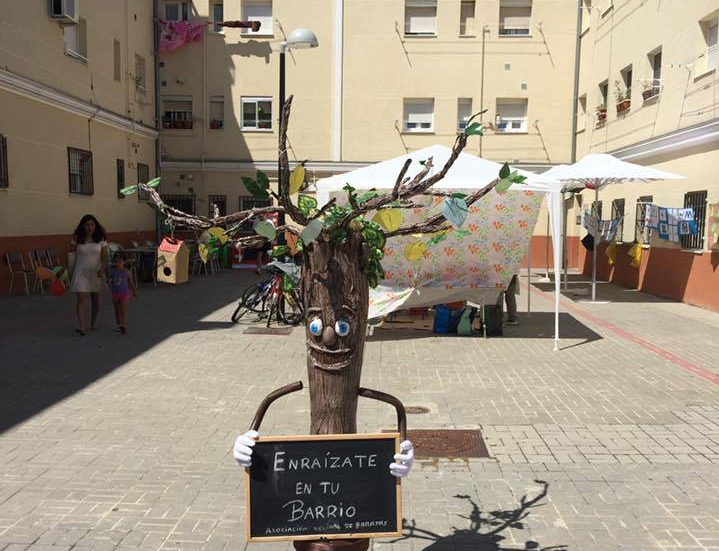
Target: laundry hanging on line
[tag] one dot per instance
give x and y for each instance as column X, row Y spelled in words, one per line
column 175, row 34
column 670, row 223
column 607, row 228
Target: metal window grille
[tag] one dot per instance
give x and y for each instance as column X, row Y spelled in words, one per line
column 80, row 171
column 641, row 232
column 185, row 203
column 220, row 201
column 698, row 201
column 617, row 212
column 4, row 180
column 120, row 164
column 143, row 176
column 247, row 203
column 597, row 209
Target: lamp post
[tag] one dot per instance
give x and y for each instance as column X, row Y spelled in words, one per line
column 298, row 39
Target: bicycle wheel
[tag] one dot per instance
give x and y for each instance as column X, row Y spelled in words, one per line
column 251, row 299
column 290, row 308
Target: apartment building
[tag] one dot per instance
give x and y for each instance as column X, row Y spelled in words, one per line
column 77, row 120
column 389, row 76
column 649, row 93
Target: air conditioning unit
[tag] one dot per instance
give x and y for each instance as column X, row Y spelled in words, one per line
column 63, row 11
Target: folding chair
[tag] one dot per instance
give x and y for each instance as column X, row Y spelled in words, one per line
column 16, row 264
column 53, row 257
column 35, row 261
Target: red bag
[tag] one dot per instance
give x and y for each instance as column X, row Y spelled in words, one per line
column 57, row 288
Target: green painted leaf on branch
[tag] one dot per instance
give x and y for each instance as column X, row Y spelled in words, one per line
column 505, row 171
column 154, row 182
column 503, row 185
column 371, row 194
column 311, row 231
column 306, row 204
column 455, row 210
column 474, row 129
column 266, row 229
column 254, row 188
column 389, row 219
column 262, row 180
column 458, row 195
column 462, row 233
column 129, row 190
column 280, row 251
column 437, row 237
column 297, row 179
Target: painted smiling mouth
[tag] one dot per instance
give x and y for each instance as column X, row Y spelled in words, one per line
column 341, row 356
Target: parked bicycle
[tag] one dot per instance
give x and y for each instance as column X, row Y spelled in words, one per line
column 277, row 296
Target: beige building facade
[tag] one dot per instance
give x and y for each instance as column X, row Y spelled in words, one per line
column 77, row 120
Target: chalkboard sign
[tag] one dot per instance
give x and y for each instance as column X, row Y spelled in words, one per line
column 323, row 486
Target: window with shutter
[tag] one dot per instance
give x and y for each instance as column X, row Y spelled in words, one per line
column 466, row 18
column 712, row 48
column 515, row 17
column 418, row 115
column 511, row 115
column 420, row 17
column 464, row 112
column 258, row 10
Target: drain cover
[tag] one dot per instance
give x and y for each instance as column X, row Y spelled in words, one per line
column 448, row 443
column 416, row 410
column 268, row 330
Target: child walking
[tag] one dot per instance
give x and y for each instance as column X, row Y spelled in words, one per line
column 120, row 288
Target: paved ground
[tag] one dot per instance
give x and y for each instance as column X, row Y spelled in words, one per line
column 119, row 443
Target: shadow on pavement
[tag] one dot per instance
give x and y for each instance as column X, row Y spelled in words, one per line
column 43, row 361
column 485, row 532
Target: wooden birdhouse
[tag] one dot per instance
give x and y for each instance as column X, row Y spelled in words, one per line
column 173, row 261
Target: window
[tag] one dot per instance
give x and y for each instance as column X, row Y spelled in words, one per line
column 185, row 203
column 258, row 10
column 514, row 17
column 641, row 232
column 418, row 115
column 247, row 203
column 76, row 40
column 176, row 11
column 697, row 200
column 216, row 200
column 618, row 212
column 4, row 180
column 654, row 85
column 217, row 17
column 603, row 93
column 139, row 73
column 80, row 171
column 257, row 113
column 581, row 112
column 466, row 18
column 511, row 115
column 120, row 170
column 143, row 176
column 596, row 209
column 420, row 17
column 217, row 112
column 117, row 61
column 711, row 36
column 464, row 112
column 177, row 112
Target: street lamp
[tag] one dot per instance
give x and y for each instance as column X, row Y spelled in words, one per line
column 299, row 39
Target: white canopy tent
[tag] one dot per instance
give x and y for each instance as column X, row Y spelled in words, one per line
column 597, row 171
column 467, row 174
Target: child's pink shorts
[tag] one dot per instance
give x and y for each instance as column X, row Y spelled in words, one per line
column 120, row 296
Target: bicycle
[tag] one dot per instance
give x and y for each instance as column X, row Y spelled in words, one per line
column 278, row 295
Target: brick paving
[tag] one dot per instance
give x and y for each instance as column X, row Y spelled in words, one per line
column 120, row 443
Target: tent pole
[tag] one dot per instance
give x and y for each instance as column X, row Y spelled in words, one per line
column 564, row 245
column 558, row 258
column 529, row 276
column 597, row 235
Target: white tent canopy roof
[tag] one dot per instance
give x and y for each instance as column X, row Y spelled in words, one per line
column 598, row 170
column 468, row 172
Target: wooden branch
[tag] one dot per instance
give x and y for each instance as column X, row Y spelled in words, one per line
column 283, row 178
column 400, row 179
column 325, row 208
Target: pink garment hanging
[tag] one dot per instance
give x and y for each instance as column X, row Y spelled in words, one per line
column 175, row 34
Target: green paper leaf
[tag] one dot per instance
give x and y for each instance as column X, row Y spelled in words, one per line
column 458, row 195
column 474, row 129
column 306, row 204
column 129, row 190
column 455, row 210
column 371, row 194
column 311, row 231
column 503, row 185
column 262, row 180
column 266, row 229
column 505, row 171
column 254, row 188
column 462, row 233
column 437, row 238
column 154, row 182
column 280, row 251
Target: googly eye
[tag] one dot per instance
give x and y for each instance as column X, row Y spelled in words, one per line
column 342, row 328
column 316, row 327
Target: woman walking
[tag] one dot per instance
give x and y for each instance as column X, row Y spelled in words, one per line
column 90, row 272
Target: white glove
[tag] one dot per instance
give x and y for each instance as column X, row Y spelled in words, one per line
column 243, row 448
column 403, row 460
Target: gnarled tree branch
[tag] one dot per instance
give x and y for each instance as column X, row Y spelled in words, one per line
column 283, row 178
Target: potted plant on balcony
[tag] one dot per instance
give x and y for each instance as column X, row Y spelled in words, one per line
column 216, row 124
column 601, row 113
column 651, row 89
column 624, row 100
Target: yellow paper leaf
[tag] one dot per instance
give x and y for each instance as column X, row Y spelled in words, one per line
column 389, row 219
column 297, row 178
column 219, row 233
column 414, row 251
column 202, row 249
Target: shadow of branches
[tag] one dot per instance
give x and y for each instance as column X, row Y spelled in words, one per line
column 485, row 531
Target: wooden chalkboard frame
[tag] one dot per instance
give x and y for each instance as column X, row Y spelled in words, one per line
column 315, row 437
